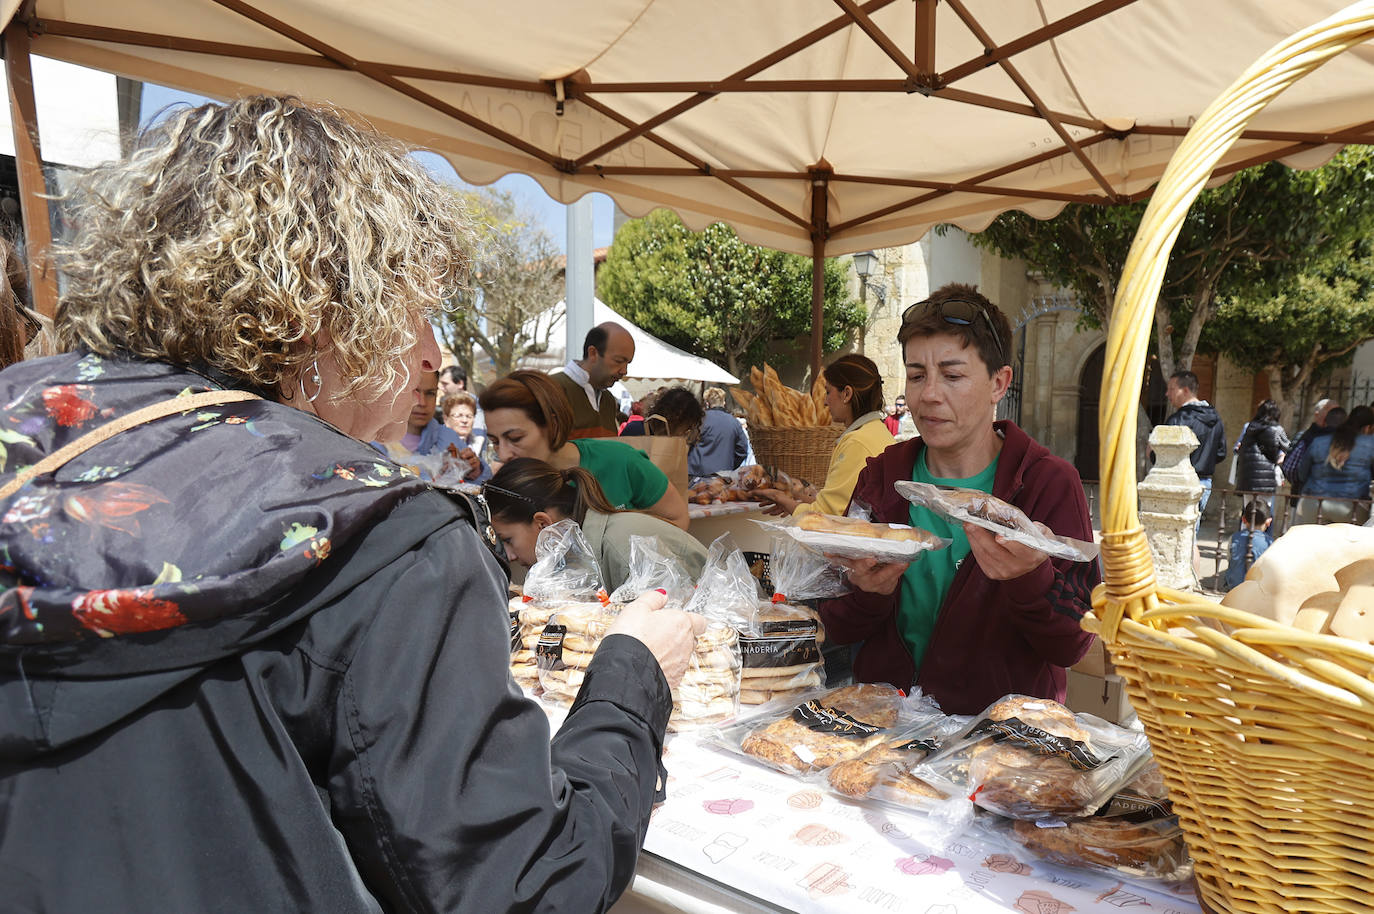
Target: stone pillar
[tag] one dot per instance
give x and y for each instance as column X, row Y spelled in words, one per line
column 1169, row 496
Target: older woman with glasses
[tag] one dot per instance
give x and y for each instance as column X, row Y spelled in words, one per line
column 967, row 632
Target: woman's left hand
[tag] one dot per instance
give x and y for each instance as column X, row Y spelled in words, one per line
column 1002, row 559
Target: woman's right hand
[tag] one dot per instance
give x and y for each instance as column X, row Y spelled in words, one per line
column 669, row 634
column 872, row 575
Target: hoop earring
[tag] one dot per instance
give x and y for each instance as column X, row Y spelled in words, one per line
column 314, row 379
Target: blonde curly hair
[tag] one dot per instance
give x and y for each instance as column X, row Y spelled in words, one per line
column 235, row 233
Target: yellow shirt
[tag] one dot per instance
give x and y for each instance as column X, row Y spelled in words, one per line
column 866, row 437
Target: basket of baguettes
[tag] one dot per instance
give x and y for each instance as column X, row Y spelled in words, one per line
column 788, row 429
column 1261, row 718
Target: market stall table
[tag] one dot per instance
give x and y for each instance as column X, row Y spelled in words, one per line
column 738, row 837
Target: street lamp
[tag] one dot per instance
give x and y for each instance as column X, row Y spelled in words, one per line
column 864, row 262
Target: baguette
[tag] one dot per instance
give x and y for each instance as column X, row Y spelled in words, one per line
column 853, row 526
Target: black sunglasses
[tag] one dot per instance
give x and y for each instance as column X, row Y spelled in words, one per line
column 958, row 311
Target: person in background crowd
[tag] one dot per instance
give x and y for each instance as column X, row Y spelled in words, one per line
column 636, row 414
column 743, row 420
column 426, row 435
column 527, row 495
column 854, row 396
column 1339, row 465
column 1322, row 424
column 1259, row 451
column 460, row 417
column 606, row 355
column 452, row 380
column 893, row 420
column 1249, row 542
column 20, row 327
column 257, row 660
column 680, row 409
column 724, row 443
column 1202, row 418
column 528, row 416
column 986, row 616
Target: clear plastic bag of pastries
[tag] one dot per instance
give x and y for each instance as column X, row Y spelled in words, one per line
column 1032, row 758
column 566, row 644
column 564, row 576
column 781, row 654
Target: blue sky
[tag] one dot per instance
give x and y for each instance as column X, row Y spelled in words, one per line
column 541, row 207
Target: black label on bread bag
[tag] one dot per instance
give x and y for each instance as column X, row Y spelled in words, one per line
column 548, row 653
column 780, row 643
column 922, row 745
column 514, row 630
column 815, row 716
column 1035, row 740
column 1130, row 806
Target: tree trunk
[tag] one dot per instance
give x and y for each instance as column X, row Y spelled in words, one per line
column 1287, row 396
column 1163, row 339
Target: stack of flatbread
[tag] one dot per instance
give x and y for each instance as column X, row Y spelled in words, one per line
column 565, row 645
column 781, row 654
column 709, row 691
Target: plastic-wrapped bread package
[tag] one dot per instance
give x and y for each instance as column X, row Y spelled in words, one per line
column 858, row 538
column 824, row 728
column 1033, row 758
column 781, row 654
column 566, row 645
column 1134, row 836
column 564, row 575
column 651, row 567
column 994, row 514
column 883, row 774
column 728, row 596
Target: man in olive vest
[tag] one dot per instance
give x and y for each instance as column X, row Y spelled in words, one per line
column 606, row 355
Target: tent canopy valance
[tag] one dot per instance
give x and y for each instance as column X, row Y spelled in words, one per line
column 813, row 126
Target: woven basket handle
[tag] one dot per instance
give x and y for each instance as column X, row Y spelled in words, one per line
column 125, row 422
column 1130, row 586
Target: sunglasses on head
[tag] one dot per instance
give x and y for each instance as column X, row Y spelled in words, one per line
column 958, row 311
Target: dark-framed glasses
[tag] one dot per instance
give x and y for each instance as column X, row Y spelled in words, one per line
column 958, row 311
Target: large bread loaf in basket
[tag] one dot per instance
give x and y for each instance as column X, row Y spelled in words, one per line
column 1265, row 733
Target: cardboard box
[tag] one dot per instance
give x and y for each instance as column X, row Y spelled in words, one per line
column 1095, row 662
column 1102, row 696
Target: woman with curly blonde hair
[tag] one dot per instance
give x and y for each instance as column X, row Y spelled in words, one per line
column 233, row 638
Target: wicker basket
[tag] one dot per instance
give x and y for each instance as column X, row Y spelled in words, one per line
column 1266, row 734
column 802, row 453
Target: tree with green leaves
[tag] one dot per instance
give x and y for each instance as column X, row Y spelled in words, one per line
column 713, row 295
column 1239, row 239
column 1303, row 327
column 514, row 280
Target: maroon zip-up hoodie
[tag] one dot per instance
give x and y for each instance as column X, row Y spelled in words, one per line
column 991, row 638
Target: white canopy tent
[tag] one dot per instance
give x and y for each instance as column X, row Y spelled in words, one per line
column 814, row 126
column 654, row 359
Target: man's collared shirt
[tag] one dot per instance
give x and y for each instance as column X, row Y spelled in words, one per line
column 584, row 381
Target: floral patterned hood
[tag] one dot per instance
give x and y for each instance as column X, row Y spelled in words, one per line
column 183, row 522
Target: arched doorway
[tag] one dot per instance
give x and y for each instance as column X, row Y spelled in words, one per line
column 1152, row 399
column 1089, row 396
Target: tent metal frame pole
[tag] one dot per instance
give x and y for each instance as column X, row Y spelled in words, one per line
column 28, row 158
column 820, row 228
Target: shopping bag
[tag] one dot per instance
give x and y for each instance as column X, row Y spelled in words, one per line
column 668, row 452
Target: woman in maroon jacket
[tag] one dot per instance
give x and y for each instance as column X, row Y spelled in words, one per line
column 967, row 632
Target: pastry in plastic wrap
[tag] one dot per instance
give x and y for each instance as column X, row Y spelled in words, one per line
column 1153, row 849
column 833, row 726
column 709, row 690
column 886, row 769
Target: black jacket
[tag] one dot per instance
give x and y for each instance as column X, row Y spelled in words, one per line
column 245, row 665
column 1211, row 435
column 1261, row 448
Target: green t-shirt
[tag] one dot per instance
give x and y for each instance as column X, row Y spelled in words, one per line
column 627, row 475
column 927, row 581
